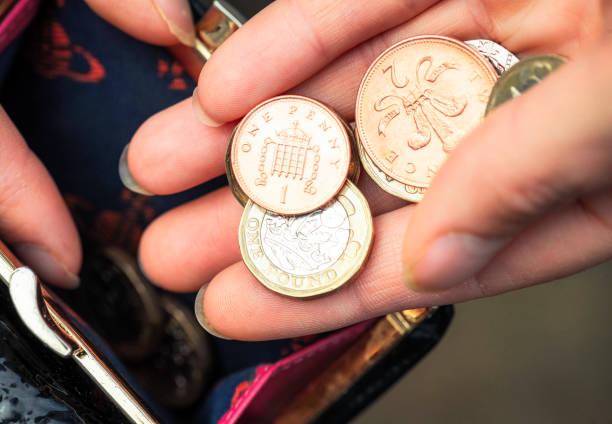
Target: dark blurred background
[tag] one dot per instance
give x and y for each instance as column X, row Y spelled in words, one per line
column 540, row 355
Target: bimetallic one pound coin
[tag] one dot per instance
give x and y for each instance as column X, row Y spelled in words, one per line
column 416, row 101
column 521, row 77
column 500, row 57
column 290, row 155
column 354, row 170
column 311, row 254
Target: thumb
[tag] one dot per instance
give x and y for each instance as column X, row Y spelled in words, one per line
column 536, row 153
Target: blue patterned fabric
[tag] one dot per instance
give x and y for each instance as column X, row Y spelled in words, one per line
column 77, row 89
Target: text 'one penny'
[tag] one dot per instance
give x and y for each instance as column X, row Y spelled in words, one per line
column 290, row 155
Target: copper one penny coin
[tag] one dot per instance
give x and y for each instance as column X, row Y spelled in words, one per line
column 415, row 103
column 290, row 155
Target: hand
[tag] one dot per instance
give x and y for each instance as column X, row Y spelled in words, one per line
column 34, row 219
column 524, row 199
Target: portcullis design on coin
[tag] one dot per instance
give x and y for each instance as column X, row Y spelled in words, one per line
column 290, row 155
column 416, row 102
column 311, row 254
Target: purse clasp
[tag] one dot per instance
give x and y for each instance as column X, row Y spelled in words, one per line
column 218, row 23
column 43, row 314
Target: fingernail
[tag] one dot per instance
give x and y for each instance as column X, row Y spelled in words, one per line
column 449, row 261
column 199, row 112
column 126, row 176
column 49, row 269
column 199, row 313
column 177, row 15
column 409, row 280
column 142, row 270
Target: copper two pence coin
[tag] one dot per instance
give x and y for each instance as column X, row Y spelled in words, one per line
column 416, row 101
column 290, row 155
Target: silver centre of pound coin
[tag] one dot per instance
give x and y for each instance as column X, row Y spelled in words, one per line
column 306, row 244
column 500, row 57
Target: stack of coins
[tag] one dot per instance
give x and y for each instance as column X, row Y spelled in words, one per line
column 415, row 103
column 422, row 95
column 306, row 229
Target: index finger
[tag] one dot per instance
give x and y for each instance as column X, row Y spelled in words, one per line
column 288, row 42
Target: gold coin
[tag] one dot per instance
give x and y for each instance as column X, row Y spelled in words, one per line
column 355, row 165
column 385, row 182
column 353, row 172
column 521, row 77
column 291, row 154
column 231, row 179
column 311, row 254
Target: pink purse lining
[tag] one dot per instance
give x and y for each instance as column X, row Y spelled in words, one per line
column 16, row 20
column 273, row 386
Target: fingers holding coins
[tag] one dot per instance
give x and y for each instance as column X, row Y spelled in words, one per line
column 415, row 103
column 306, row 229
column 292, row 162
column 290, row 154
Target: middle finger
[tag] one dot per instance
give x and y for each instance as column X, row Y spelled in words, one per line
column 200, row 238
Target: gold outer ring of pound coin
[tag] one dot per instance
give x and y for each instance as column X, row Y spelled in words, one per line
column 231, row 180
column 521, row 77
column 354, row 170
column 388, row 184
column 417, row 101
column 290, row 155
column 339, row 239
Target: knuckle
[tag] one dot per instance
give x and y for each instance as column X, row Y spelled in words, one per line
column 310, row 18
column 482, row 287
column 598, row 211
column 365, row 299
column 14, row 180
column 376, row 296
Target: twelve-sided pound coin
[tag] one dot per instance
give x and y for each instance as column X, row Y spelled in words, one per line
column 311, row 254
